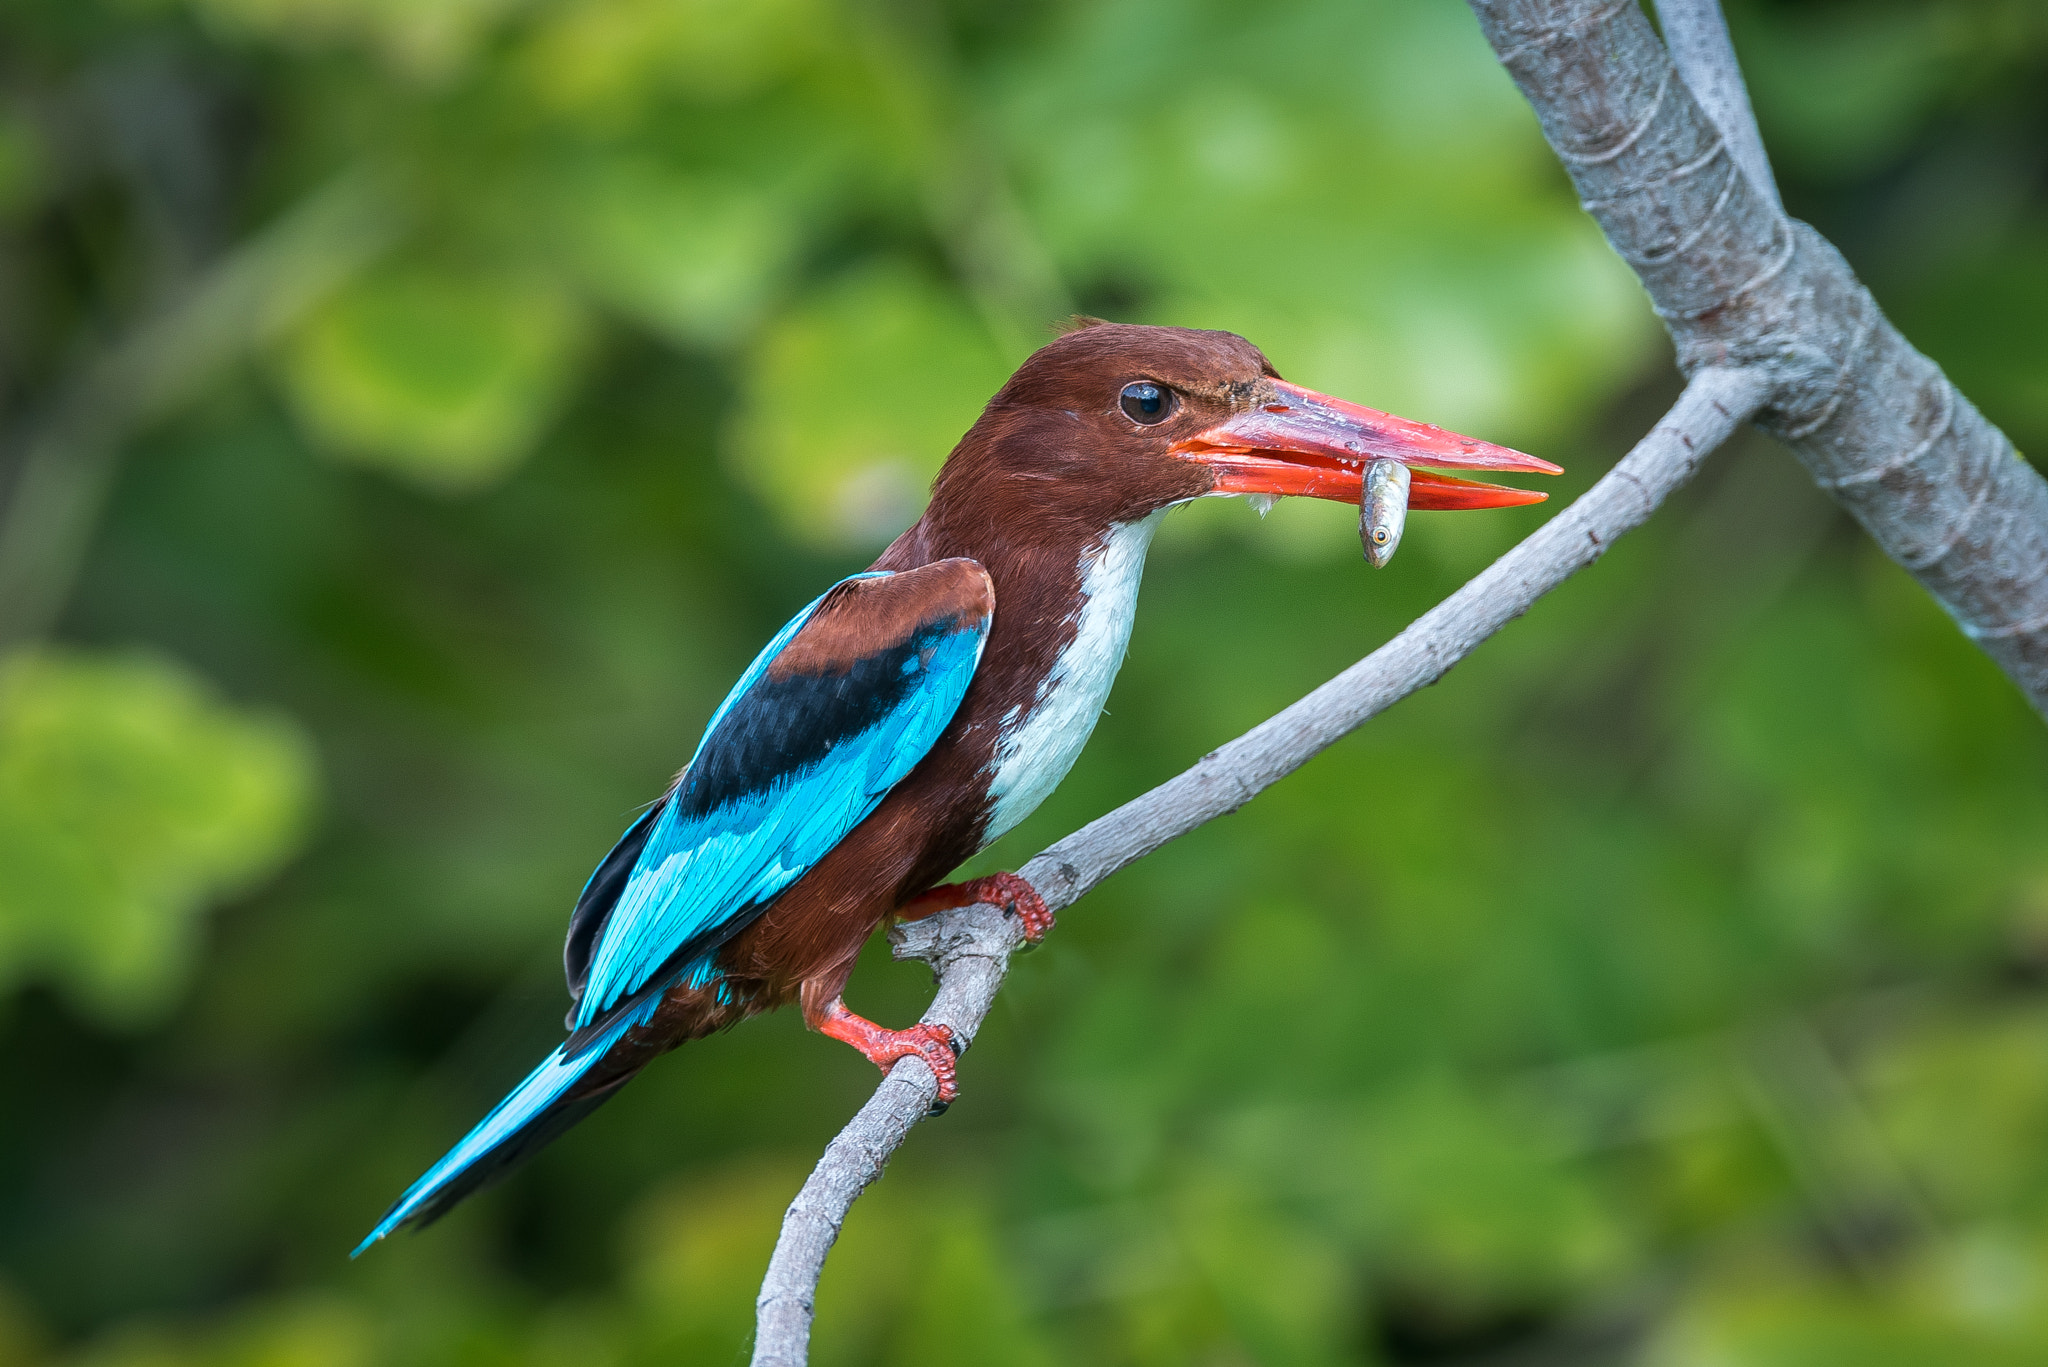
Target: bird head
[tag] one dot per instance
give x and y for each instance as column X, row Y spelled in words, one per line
column 1111, row 422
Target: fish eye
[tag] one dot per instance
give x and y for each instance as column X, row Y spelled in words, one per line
column 1379, row 536
column 1146, row 403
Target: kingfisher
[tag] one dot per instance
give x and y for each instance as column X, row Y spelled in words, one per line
column 915, row 712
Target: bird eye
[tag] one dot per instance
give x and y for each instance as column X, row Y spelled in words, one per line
column 1146, row 403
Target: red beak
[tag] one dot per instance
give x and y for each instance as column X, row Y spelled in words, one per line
column 1309, row 444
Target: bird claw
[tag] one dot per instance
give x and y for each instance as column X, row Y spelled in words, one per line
column 1022, row 901
column 882, row 1047
column 932, row 1043
column 1013, row 893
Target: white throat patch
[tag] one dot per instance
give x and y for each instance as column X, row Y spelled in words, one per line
column 1039, row 743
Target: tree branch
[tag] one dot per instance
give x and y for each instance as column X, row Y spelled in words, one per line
column 1737, row 283
column 969, row 949
column 1697, row 36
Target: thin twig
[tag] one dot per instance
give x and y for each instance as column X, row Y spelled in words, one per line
column 1876, row 423
column 1696, row 32
column 969, row 949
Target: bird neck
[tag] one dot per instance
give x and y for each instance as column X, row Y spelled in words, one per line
column 1042, row 569
column 1063, row 616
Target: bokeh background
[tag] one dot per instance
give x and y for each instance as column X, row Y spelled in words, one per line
column 416, row 412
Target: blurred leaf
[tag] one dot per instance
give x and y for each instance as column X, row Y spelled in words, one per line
column 971, row 1295
column 21, row 163
column 22, row 1339
column 1980, row 313
column 1461, row 1199
column 693, row 257
column 606, row 57
column 1282, row 1286
column 445, row 377
column 1965, row 1102
column 698, row 1249
column 425, row 38
column 130, row 798
column 309, row 1333
column 1353, row 188
column 1843, row 90
column 920, row 1278
column 1795, row 1322
column 851, row 399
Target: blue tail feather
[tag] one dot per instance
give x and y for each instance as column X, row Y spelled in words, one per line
column 536, row 1111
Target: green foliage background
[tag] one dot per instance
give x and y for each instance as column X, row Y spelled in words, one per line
column 1664, row 987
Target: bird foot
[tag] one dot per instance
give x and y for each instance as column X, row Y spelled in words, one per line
column 1006, row 890
column 882, row 1046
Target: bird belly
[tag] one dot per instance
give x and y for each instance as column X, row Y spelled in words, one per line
column 1038, row 743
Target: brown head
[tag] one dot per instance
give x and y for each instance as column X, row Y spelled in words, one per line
column 1112, row 422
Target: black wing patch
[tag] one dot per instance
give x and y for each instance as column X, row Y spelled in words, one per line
column 799, row 719
column 599, row 895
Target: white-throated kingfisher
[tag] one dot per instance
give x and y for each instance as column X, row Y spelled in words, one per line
column 915, row 712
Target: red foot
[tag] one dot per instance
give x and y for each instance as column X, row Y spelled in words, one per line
column 882, row 1047
column 1005, row 890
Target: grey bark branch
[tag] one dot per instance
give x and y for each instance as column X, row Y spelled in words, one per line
column 969, row 949
column 1876, row 423
column 1696, row 33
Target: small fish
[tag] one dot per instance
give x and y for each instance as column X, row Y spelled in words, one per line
column 1383, row 511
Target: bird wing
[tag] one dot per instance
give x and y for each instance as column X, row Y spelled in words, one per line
column 830, row 716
